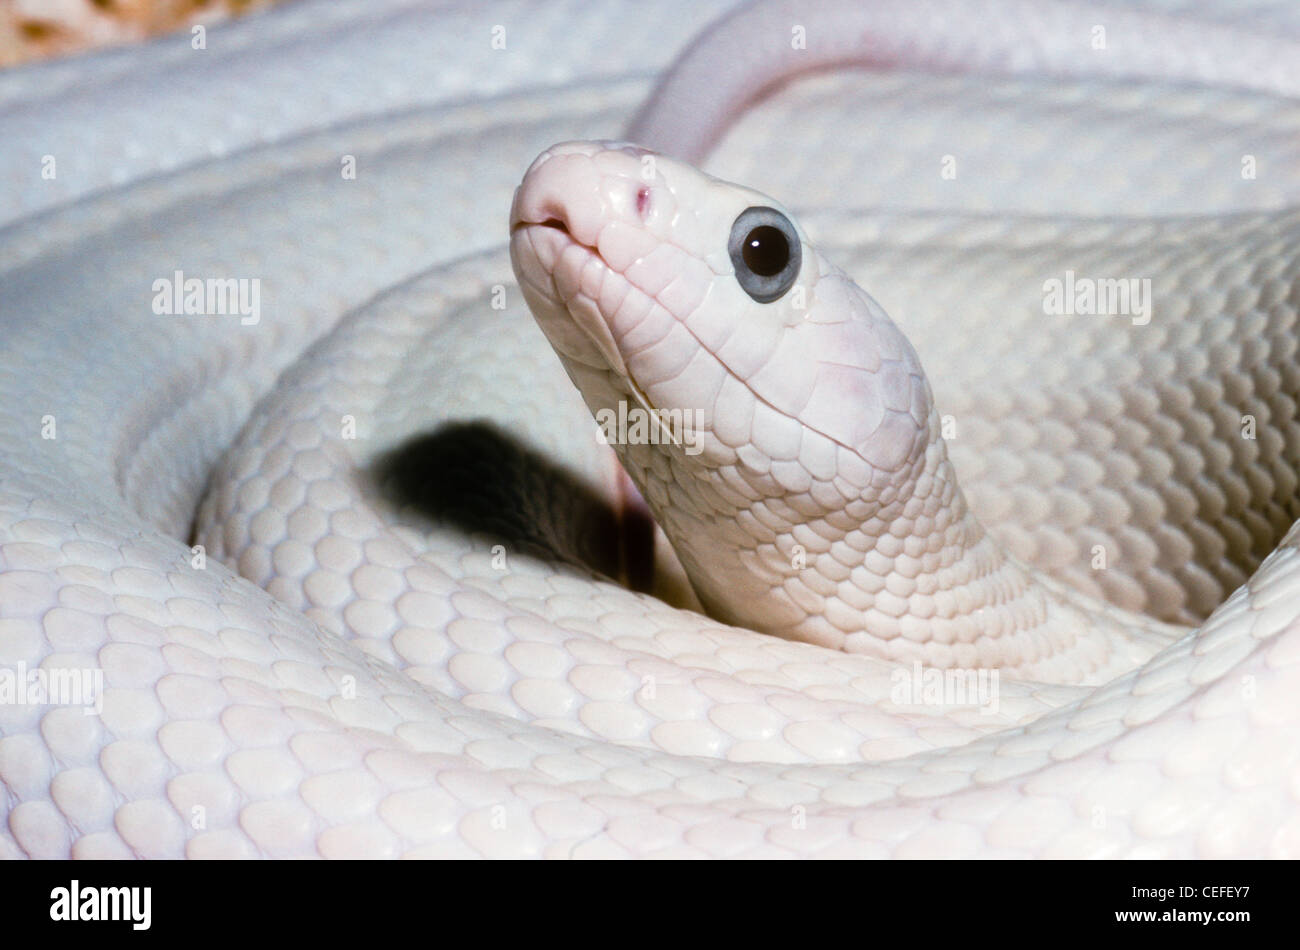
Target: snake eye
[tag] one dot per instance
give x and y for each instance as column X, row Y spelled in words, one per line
column 765, row 252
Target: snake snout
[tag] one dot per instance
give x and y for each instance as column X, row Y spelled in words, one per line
column 583, row 187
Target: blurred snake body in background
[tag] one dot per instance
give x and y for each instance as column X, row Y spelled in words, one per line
column 337, row 567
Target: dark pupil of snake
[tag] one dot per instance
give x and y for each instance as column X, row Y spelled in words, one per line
column 766, row 251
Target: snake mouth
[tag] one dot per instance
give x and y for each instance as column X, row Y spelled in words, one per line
column 554, row 223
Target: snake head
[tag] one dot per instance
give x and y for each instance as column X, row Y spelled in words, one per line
column 660, row 285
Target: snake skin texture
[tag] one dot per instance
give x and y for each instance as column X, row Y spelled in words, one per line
column 346, row 572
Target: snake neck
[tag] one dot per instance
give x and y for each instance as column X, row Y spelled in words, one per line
column 903, row 570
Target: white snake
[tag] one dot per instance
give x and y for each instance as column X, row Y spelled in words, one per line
column 398, row 641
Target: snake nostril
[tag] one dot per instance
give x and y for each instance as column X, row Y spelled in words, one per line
column 555, row 223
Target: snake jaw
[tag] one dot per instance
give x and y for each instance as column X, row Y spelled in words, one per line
column 571, row 320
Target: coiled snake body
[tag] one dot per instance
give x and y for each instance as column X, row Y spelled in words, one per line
column 390, row 629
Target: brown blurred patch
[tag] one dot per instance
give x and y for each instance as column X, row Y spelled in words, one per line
column 42, row 29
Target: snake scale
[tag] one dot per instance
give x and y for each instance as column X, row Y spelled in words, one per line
column 345, row 566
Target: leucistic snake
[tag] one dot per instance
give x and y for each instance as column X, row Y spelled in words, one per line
column 345, row 570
